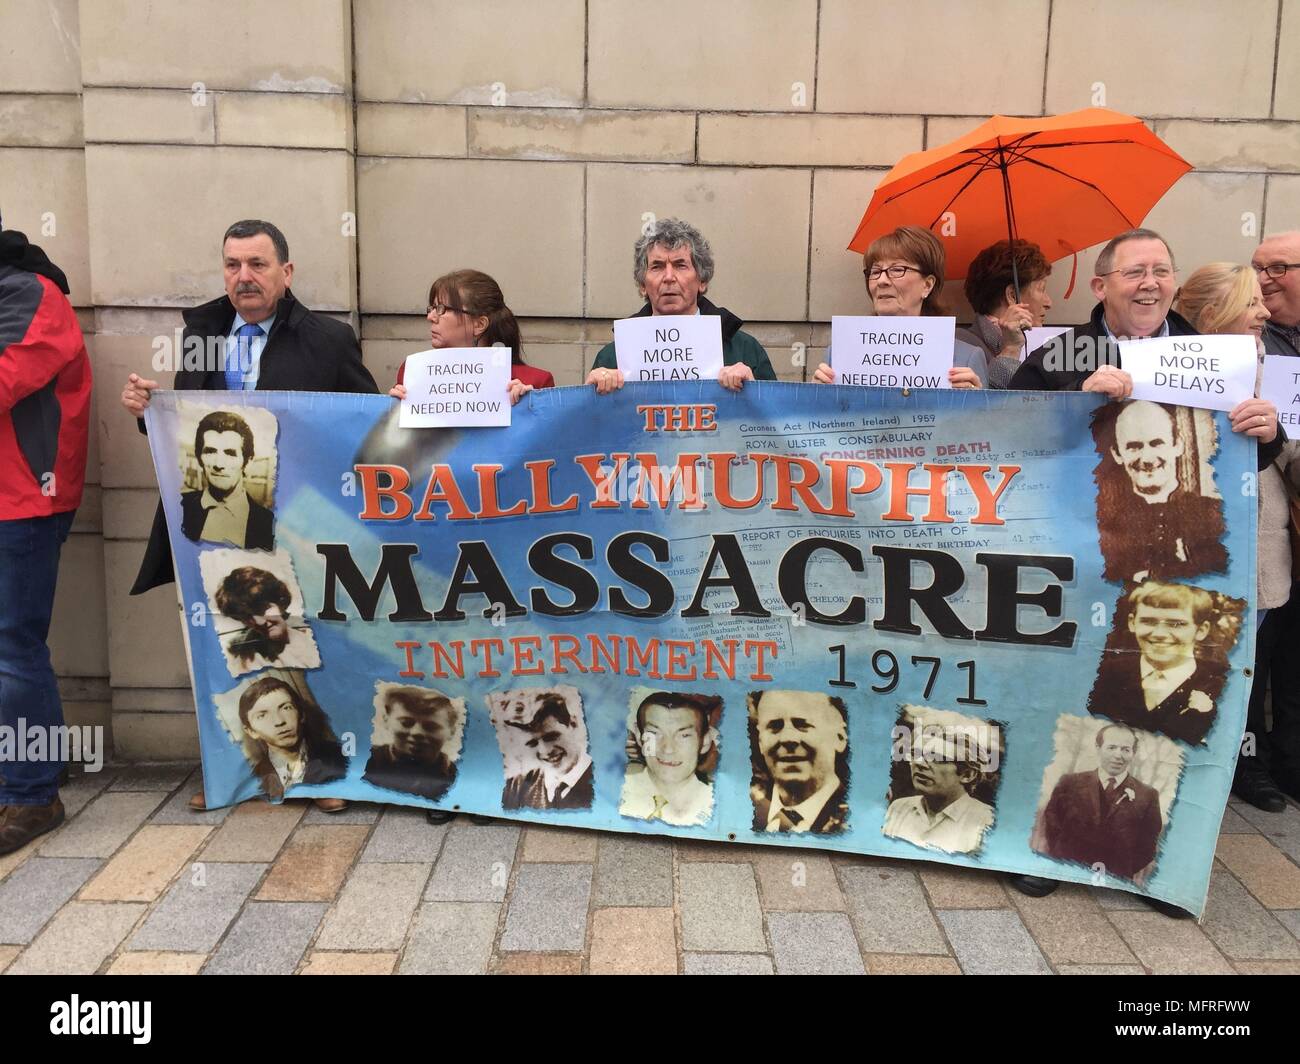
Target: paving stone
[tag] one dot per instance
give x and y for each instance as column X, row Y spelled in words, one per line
column 474, row 864
column 633, row 942
column 559, row 845
column 375, row 908
column 1241, row 927
column 634, row 870
column 1169, row 947
column 7, row 954
column 719, row 908
column 1265, row 870
column 36, row 891
column 350, row 964
column 797, row 880
column 254, row 831
column 727, row 964
column 1119, row 900
column 540, row 964
column 950, row 887
column 314, row 863
column 10, row 861
column 450, row 938
column 889, row 911
column 403, row 836
column 1282, row 829
column 1267, row 967
column 1071, row 928
column 78, row 792
column 176, row 810
column 198, row 908
column 910, row 964
column 152, row 778
column 992, row 942
column 548, row 909
column 1234, row 823
column 149, row 962
column 698, row 850
column 78, row 939
column 355, row 813
column 1290, row 918
column 806, row 943
column 141, row 869
column 269, row 938
column 1101, row 969
column 103, row 826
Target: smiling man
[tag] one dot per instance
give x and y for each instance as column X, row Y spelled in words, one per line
column 674, row 733
column 563, row 777
column 673, row 265
column 420, row 725
column 801, row 737
column 1277, row 263
column 222, row 512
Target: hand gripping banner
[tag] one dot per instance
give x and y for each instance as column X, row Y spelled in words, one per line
column 994, row 629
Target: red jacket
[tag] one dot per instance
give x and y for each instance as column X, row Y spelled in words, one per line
column 44, row 397
column 538, row 378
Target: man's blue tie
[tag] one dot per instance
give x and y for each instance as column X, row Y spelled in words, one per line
column 242, row 358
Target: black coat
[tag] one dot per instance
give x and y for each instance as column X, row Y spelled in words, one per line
column 1118, row 694
column 306, row 352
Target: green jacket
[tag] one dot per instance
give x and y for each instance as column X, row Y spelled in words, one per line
column 737, row 346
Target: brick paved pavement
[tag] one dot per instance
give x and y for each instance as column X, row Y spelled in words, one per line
column 134, row 882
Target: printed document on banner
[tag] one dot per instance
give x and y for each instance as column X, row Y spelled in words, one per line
column 892, row 352
column 1212, row 372
column 670, row 347
column 457, row 386
column 1037, row 337
column 1281, row 387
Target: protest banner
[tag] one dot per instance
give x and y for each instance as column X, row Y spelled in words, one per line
column 922, row 626
column 457, row 386
column 1213, row 372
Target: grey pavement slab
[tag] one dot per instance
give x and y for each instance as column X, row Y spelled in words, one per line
column 405, row 837
column 1290, row 918
column 475, row 863
column 269, row 938
column 719, row 908
column 548, row 909
column 993, row 942
column 77, row 793
column 1281, row 829
column 36, row 890
column 355, row 813
column 1235, row 824
column 450, row 938
column 195, row 912
column 814, row 944
column 375, row 907
column 152, row 777
column 99, row 829
column 889, row 911
column 634, row 870
column 78, row 939
column 728, row 964
column 1241, row 927
column 176, row 810
column 1119, row 900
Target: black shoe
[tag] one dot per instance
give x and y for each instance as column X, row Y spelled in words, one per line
column 438, row 817
column 1033, row 886
column 1257, row 788
column 1171, row 911
column 1290, row 785
column 476, row 818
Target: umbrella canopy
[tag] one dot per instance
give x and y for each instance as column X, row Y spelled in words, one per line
column 1064, row 182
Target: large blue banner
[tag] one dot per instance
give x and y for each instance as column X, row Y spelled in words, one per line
column 995, row 629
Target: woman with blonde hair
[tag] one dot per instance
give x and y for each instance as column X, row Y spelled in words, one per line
column 1224, row 297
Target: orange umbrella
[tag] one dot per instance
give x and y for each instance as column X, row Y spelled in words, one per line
column 1064, row 182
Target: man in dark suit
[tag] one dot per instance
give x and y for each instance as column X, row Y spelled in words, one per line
column 1105, row 817
column 802, row 739
column 256, row 336
column 564, row 778
column 221, row 510
column 420, row 723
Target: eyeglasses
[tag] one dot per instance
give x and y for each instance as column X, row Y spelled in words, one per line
column 896, row 273
column 1276, row 270
column 1136, row 273
column 439, row 309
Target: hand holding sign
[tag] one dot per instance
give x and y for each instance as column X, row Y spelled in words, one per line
column 455, row 386
column 1212, row 372
column 669, row 347
column 892, row 352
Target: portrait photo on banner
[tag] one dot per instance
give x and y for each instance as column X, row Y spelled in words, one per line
column 943, row 779
column 228, row 468
column 672, row 750
column 1166, row 659
column 1106, row 796
column 799, row 756
column 415, row 739
column 543, row 739
column 1159, row 513
column 257, row 610
column 284, row 734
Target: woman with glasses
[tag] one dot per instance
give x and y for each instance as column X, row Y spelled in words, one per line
column 904, row 275
column 466, row 309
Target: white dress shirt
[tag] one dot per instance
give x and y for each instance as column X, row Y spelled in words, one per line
column 957, row 828
column 808, row 810
column 692, row 805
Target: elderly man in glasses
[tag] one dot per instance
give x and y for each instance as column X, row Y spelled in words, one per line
column 1277, row 262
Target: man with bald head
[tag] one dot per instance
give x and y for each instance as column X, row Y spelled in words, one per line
column 1277, row 263
column 802, row 738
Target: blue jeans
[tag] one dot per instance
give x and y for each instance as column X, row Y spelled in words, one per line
column 29, row 567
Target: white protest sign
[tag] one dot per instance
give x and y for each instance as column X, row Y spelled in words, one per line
column 457, row 386
column 1213, row 372
column 1281, row 387
column 892, row 352
column 669, row 347
column 1037, row 337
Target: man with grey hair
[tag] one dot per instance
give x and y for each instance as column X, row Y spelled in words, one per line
column 1134, row 282
column 673, row 265
column 1277, row 263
